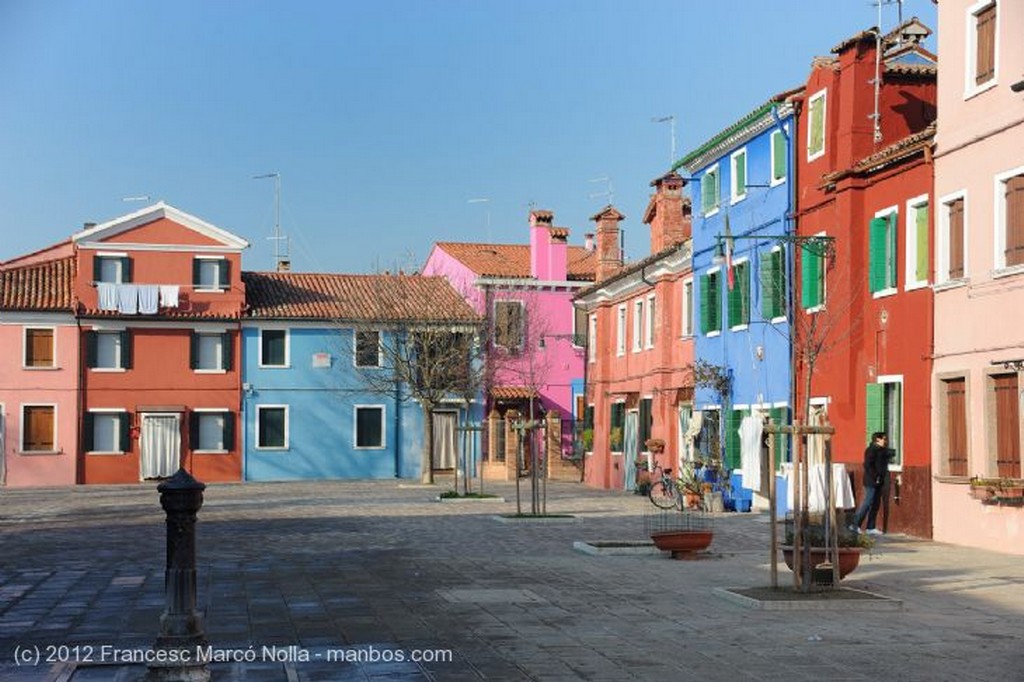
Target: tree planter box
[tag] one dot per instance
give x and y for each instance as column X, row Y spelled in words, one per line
column 849, row 558
column 683, row 544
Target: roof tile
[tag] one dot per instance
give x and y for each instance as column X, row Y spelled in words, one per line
column 513, row 260
column 43, row 286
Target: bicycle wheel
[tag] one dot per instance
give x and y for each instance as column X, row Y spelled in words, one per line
column 663, row 495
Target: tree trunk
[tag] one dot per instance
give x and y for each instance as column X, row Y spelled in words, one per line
column 427, row 459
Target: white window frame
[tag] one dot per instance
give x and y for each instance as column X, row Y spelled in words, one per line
column 355, row 349
column 883, row 213
column 824, row 283
column 773, row 181
column 21, row 425
column 1000, row 268
column 383, row 427
column 942, row 245
column 897, row 379
column 718, row 302
column 287, row 423
column 686, row 296
column 650, row 313
column 216, row 288
column 714, row 171
column 971, row 49
column 823, row 96
column 592, row 337
column 219, row 369
column 107, row 333
column 116, row 256
column 910, row 237
column 121, row 447
column 24, row 347
column 221, row 411
column 287, row 348
column 785, row 293
column 750, row 296
column 620, row 330
column 737, row 193
column 638, row 325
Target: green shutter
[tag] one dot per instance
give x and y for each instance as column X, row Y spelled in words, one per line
column 126, row 349
column 705, row 306
column 878, row 245
column 817, row 116
column 779, row 156
column 645, row 421
column 773, row 282
column 225, row 274
column 90, row 349
column 707, row 192
column 226, row 351
column 895, row 427
column 732, row 438
column 714, row 304
column 196, row 272
column 124, row 424
column 229, row 431
column 892, row 261
column 193, row 351
column 810, row 271
column 780, row 415
column 126, row 269
column 741, row 174
column 88, row 429
column 874, row 410
column 921, row 264
column 743, row 284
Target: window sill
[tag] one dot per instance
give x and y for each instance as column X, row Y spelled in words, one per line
column 210, row 291
column 377, row 448
column 210, row 371
column 106, row 453
column 271, row 449
column 941, row 478
column 39, row 369
column 814, row 309
column 816, row 155
column 211, row 452
column 32, row 453
column 1009, row 271
column 275, row 366
column 971, row 93
column 776, row 183
column 950, row 284
column 713, row 334
column 368, row 367
column 777, row 320
column 884, row 293
column 739, row 328
column 914, row 286
column 108, row 370
column 712, row 212
column 737, row 199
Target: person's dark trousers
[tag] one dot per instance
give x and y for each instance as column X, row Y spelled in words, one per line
column 868, row 506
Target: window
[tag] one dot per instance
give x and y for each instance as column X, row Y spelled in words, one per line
column 271, row 427
column 738, row 175
column 812, row 280
column 108, row 350
column 738, row 298
column 1010, row 219
column 508, row 324
column 112, row 268
column 780, row 157
column 620, row 331
column 106, row 431
column 1005, row 394
column 981, row 47
column 710, row 190
column 579, row 327
column 592, row 339
column 733, row 419
column 273, row 348
column 367, row 349
column 885, row 413
column 816, row 126
column 369, row 426
column 780, row 416
column 882, row 252
column 211, row 274
column 212, row 430
column 38, row 428
column 687, row 317
column 917, row 243
column 773, row 284
column 709, row 440
column 650, row 322
column 39, row 347
column 710, row 317
column 954, row 423
column 617, row 425
column 210, row 352
column 638, row 322
column 951, row 247
column 645, row 423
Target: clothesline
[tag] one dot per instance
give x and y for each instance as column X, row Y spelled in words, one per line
column 135, row 299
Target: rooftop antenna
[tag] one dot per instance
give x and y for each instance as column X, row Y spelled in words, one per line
column 484, row 200
column 141, row 197
column 281, row 259
column 609, row 192
column 671, row 120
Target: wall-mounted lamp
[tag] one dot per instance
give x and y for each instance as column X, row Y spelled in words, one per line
column 819, row 245
column 1016, row 365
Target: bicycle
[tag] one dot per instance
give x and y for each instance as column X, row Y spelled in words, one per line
column 667, row 492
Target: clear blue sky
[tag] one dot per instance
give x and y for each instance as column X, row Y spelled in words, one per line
column 383, row 118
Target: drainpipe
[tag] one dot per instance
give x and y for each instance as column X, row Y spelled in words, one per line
column 79, row 402
column 398, row 428
column 791, row 214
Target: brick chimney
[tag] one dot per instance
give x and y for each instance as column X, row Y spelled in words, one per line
column 549, row 248
column 667, row 213
column 609, row 252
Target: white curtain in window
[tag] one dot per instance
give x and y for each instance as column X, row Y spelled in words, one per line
column 444, row 440
column 3, row 446
column 161, row 446
column 685, row 452
column 631, row 447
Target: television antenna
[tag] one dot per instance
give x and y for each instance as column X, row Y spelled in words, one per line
column 609, row 192
column 484, row 200
column 282, row 260
column 671, row 120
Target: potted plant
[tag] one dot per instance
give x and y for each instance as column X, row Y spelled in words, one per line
column 643, row 479
column 615, row 439
column 849, row 543
column 997, row 490
column 587, row 437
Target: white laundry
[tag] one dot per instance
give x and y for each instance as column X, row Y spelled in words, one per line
column 750, row 451
column 169, row 295
column 106, row 294
column 128, row 299
column 842, row 491
column 149, row 299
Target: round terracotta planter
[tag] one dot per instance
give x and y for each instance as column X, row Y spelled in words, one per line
column 849, row 558
column 684, row 544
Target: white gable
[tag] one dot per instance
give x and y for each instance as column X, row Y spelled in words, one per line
column 93, row 236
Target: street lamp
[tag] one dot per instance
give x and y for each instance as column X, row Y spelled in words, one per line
column 819, row 244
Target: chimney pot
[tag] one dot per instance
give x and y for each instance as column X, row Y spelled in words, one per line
column 588, row 241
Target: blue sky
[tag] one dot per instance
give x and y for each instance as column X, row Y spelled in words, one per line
column 384, row 119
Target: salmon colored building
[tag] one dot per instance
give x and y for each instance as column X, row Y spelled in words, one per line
column 979, row 272
column 864, row 176
column 38, row 372
column 640, row 351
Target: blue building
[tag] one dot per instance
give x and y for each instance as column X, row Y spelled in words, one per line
column 319, row 399
column 743, row 182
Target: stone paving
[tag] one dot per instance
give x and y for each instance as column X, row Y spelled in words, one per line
column 331, row 570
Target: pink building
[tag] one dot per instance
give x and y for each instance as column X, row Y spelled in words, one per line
column 38, row 372
column 979, row 270
column 525, row 292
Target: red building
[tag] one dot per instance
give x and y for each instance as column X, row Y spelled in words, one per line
column 159, row 299
column 864, row 171
column 640, row 351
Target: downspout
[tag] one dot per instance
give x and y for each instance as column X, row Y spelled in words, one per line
column 791, row 214
column 79, row 401
column 398, row 425
column 240, row 427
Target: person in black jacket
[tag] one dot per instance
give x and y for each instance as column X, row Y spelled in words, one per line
column 876, row 476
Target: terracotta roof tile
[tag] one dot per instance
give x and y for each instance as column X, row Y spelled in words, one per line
column 513, row 260
column 908, row 146
column 913, row 69
column 513, row 393
column 319, row 296
column 41, row 286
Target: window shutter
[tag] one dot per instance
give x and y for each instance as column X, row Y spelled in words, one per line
column 892, row 262
column 646, row 422
column 921, row 264
column 877, row 248
column 741, row 174
column 226, row 351
column 956, row 239
column 895, row 427
column 1015, row 220
column 91, row 342
column 1007, row 409
column 734, row 299
column 779, row 156
column 126, row 349
column 193, row 351
column 97, row 268
column 88, row 431
column 732, row 438
column 588, row 417
column 225, row 274
column 766, row 278
column 985, row 48
column 124, row 428
column 743, row 284
column 780, row 415
column 956, row 426
column 193, row 430
column 817, row 116
column 229, row 431
column 126, row 269
column 706, row 188
column 875, row 411
column 705, row 304
column 196, row 271
column 810, row 286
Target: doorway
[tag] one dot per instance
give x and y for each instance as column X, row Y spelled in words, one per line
column 444, row 439
column 160, row 443
column 631, row 447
